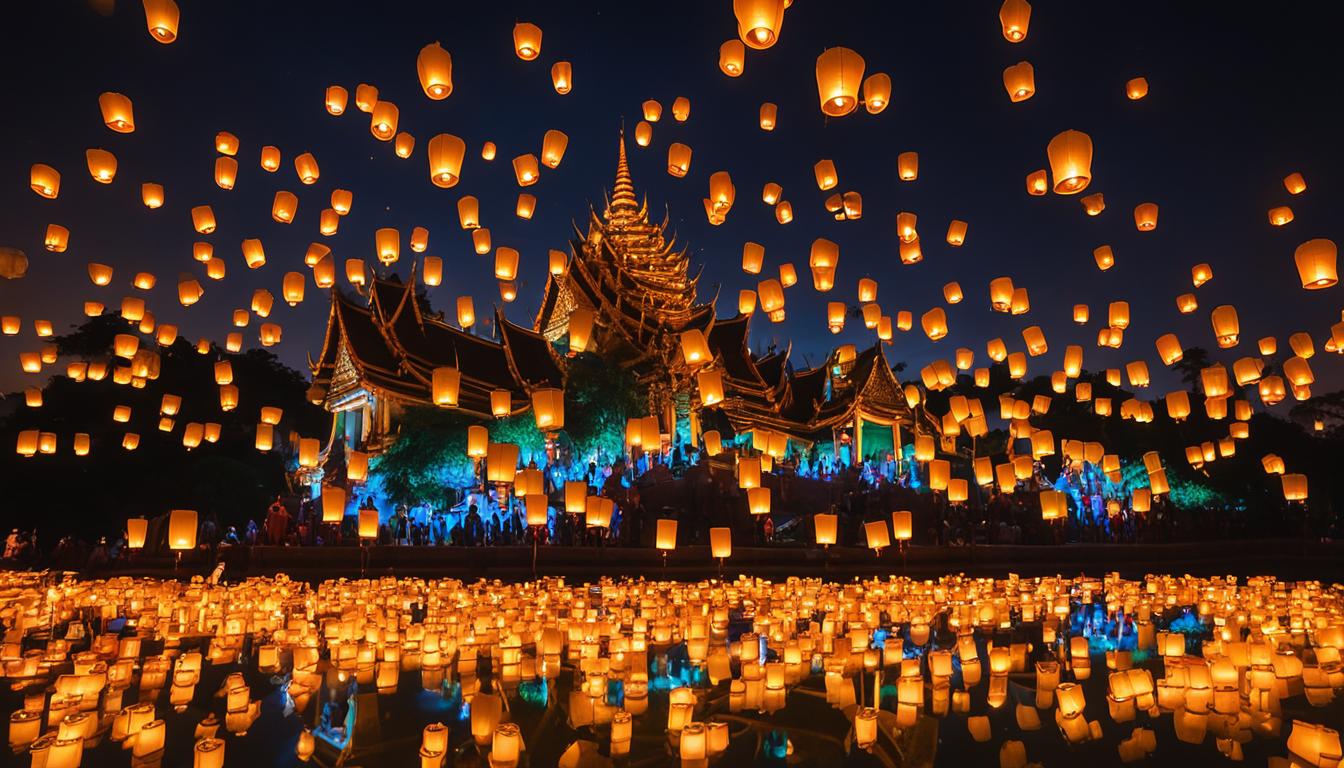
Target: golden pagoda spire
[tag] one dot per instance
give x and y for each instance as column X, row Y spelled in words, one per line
column 623, row 206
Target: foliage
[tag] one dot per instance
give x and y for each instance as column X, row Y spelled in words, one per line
column 599, row 398
column 428, row 458
column 93, row 495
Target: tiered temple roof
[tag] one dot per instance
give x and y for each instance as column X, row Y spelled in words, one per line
column 638, row 284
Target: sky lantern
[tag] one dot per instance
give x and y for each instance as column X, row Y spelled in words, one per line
column 1105, row 257
column 753, row 257
column 226, row 143
column 445, row 153
column 1201, row 274
column 226, row 172
column 652, row 110
column 553, row 148
column 825, row 173
column 432, row 271
column 1037, row 183
column 434, row 66
column 324, row 271
column 1136, row 88
column 488, row 151
column 1070, row 155
column 905, row 226
column 562, row 77
column 678, row 159
column 1226, row 326
column 867, row 290
column 403, row 144
column 506, row 263
column 480, row 239
column 328, row 222
column 292, row 288
column 1117, row 314
column 284, row 206
column 1186, row 303
column 835, row 316
column 102, row 165
column 45, row 180
column 525, row 170
column 341, row 200
column 162, row 16
column 768, row 116
column 876, row 92
column 824, row 253
column 270, row 160
column 1001, row 294
column 336, row 99
column 1280, row 215
column 732, row 58
column 681, row 109
column 383, row 120
column 1145, row 217
column 419, row 239
column 1169, row 349
column 117, row 112
column 253, row 253
column 100, row 274
column 1020, row 304
column 1015, row 16
column 387, row 244
column 746, row 302
column 643, row 133
column 839, row 72
column 907, row 166
column 952, row 293
column 784, row 212
column 469, row 212
column 306, row 167
column 526, row 205
column 934, row 323
column 445, row 386
column 1316, row 263
column 1073, row 361
column 1093, row 204
column 1034, row 338
column 466, row 312
column 759, row 21
column 527, row 41
column 557, row 261
column 956, row 232
column 355, row 272
column 1294, row 183
column 1020, row 81
column 771, row 295
column 56, row 239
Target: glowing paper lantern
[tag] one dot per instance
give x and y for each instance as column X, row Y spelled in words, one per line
column 1070, row 155
column 839, row 73
column 117, row 112
column 434, row 66
column 562, row 77
column 732, row 57
column 1145, row 217
column 876, row 93
column 162, row 16
column 1316, row 263
column 527, row 41
column 1014, row 17
column 1020, row 81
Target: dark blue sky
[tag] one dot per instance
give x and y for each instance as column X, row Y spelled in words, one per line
column 1239, row 98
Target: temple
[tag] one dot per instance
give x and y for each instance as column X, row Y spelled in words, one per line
column 628, row 275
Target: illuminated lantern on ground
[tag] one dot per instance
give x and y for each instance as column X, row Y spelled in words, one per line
column 1020, row 81
column 1316, row 263
column 1070, row 155
column 162, row 16
column 1014, row 17
column 1294, row 183
column 501, row 403
column 434, row 66
column 758, row 501
column 337, row 98
column 876, row 93
column 446, row 383
column 1226, row 326
column 877, row 535
column 445, row 155
column 907, row 166
column 562, row 77
column 102, row 165
column 839, row 73
column 117, row 112
column 527, row 41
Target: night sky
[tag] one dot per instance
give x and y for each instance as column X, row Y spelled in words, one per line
column 1239, row 99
